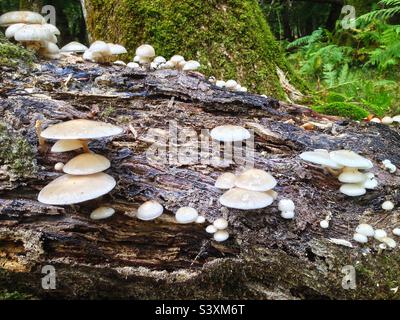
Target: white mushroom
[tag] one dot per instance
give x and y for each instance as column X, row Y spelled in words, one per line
column 360, row 238
column 221, row 235
column 66, row 145
column 149, row 210
column 74, row 46
column 229, row 133
column 27, row 17
column 86, row 163
column 220, row 223
column 388, row 205
column 365, row 229
column 353, row 189
column 186, row 215
column 102, row 213
column 211, row 229
column 225, row 181
column 255, row 180
column 238, row 198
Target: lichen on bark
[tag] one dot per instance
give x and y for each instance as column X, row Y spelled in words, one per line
column 12, row 54
column 231, row 39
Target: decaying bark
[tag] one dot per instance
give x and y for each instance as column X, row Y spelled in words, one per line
column 266, row 257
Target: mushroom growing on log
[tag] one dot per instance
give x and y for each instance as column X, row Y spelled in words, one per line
column 265, row 257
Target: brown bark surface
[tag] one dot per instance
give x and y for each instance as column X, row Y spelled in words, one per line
column 266, row 256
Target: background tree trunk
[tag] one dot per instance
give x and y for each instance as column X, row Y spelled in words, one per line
column 266, row 257
column 231, row 39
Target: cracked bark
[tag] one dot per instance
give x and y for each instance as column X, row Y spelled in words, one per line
column 121, row 257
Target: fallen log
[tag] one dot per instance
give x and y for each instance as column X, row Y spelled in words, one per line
column 266, row 257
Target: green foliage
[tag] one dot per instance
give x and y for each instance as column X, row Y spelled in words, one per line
column 392, row 8
column 6, row 295
column 359, row 68
column 343, row 109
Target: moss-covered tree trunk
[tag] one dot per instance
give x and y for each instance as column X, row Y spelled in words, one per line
column 231, row 38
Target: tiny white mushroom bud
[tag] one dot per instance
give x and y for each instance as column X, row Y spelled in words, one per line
column 380, row 234
column 221, row 224
column 396, row 231
column 149, row 210
column 186, row 215
column 231, row 84
column 376, row 120
column 200, row 219
column 360, row 238
column 391, row 167
column 387, row 120
column 324, row 224
column 211, row 229
column 386, row 162
column 287, row 215
column 389, row 242
column 221, row 235
column 388, row 205
column 59, row 166
column 365, row 229
column 382, row 246
column 286, row 205
column 102, row 213
column 220, row 83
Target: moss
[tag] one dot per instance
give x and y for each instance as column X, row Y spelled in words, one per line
column 16, row 153
column 15, row 295
column 12, row 55
column 231, row 39
column 342, row 109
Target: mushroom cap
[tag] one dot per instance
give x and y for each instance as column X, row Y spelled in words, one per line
column 100, row 47
column 220, row 223
column 10, row 31
column 86, row 163
column 191, row 65
column 69, row 189
column 287, row 214
column 133, row 65
column 389, row 242
column 320, row 157
column 149, row 210
column 186, row 215
column 365, row 229
column 350, row 159
column 52, row 28
column 242, row 199
column 34, row 32
column 66, row 145
column 396, row 231
column 59, row 166
column 229, row 133
column 353, row 189
column 80, row 129
column 119, row 63
column 201, row 219
column 379, row 234
column 211, row 229
column 286, row 205
column 145, row 51
column 117, row 49
column 27, row 17
column 351, row 175
column 370, row 182
column 396, row 118
column 74, row 46
column 88, row 55
column 220, row 83
column 387, row 120
column 324, row 224
column 159, row 60
column 176, row 59
column 221, row 235
column 231, row 84
column 255, row 180
column 225, row 181
column 102, row 213
column 360, row 238
column 388, row 205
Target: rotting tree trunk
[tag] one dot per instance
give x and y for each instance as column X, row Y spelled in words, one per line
column 265, row 258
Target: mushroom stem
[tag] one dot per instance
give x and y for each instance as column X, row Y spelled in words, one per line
column 85, row 146
column 334, row 172
column 38, row 129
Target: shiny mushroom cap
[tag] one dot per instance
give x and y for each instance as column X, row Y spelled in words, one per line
column 350, row 159
column 255, row 180
column 74, row 46
column 86, row 163
column 225, row 181
column 229, row 133
column 238, row 198
column 66, row 145
column 27, row 17
column 176, row 59
column 10, row 31
column 117, row 49
column 70, row 189
column 102, row 213
column 191, row 65
column 145, row 52
column 351, row 175
column 320, row 157
column 80, row 129
column 34, row 32
column 186, row 215
column 149, row 210
column 353, row 189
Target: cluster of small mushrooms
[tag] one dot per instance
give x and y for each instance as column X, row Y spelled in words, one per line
column 346, row 165
column 365, row 231
column 84, row 178
column 385, row 120
column 231, row 85
column 31, row 30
